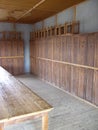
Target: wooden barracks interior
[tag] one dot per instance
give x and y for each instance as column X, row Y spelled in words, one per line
column 49, row 64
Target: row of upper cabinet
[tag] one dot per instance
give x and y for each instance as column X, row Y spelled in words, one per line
column 10, row 35
column 67, row 28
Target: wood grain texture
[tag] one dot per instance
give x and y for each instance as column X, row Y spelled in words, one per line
column 95, row 88
column 30, row 11
column 45, row 122
column 96, row 51
column 71, row 62
column 17, row 101
column 12, row 56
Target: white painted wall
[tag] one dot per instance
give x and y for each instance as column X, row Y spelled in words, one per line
column 87, row 14
column 65, row 16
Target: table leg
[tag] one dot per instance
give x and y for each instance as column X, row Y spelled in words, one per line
column 45, row 122
column 1, row 126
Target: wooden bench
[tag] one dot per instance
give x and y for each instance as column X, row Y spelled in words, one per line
column 18, row 103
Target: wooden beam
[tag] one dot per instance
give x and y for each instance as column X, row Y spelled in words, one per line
column 67, row 63
column 9, row 57
column 35, row 6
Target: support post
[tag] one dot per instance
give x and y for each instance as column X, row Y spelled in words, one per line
column 45, row 121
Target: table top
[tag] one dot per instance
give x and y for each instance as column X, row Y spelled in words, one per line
column 17, row 100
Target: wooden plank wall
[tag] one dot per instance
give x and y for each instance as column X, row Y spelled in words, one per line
column 12, row 55
column 69, row 62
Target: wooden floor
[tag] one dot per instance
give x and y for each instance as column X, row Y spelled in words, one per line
column 69, row 113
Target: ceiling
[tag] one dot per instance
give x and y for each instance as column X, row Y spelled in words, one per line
column 31, row 11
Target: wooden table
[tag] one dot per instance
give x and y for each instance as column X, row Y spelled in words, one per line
column 18, row 103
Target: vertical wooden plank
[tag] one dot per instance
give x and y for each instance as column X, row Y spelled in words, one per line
column 15, row 66
column 3, row 49
column 33, row 47
column 33, row 65
column 64, row 49
column 81, row 82
column 60, row 75
column 83, row 49
column 58, row 48
column 57, row 74
column 20, row 65
column 69, row 50
column 40, row 48
column 0, row 62
column 37, row 48
column 8, row 48
column 39, row 68
column 20, row 47
column 36, row 66
column 75, row 56
column 50, row 48
column 89, row 85
column 43, row 50
column 50, row 71
column 90, row 49
column 42, row 70
column 64, row 76
column 95, row 88
column 9, row 65
column 47, row 48
column 4, row 65
column 14, row 48
column 45, row 70
column 39, row 45
column 0, row 47
column 96, row 51
column 54, row 48
column 54, row 73
column 68, row 78
column 74, row 80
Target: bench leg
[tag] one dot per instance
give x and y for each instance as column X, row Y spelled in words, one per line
column 45, row 122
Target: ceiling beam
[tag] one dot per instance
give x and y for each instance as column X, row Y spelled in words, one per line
column 35, row 6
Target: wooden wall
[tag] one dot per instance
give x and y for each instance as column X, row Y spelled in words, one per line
column 12, row 55
column 69, row 62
